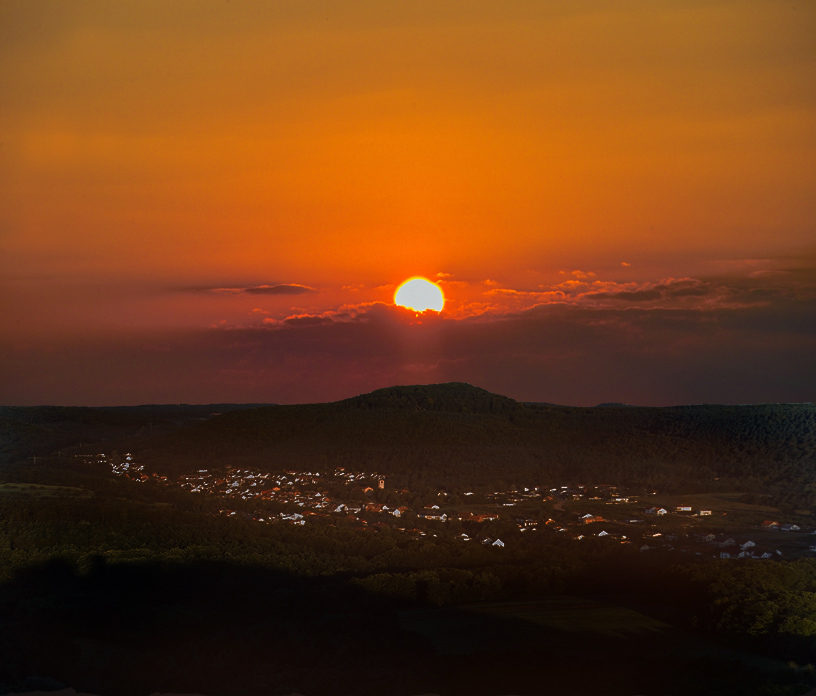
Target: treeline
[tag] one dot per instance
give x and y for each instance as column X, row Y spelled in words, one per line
column 26, row 432
column 453, row 436
column 459, row 436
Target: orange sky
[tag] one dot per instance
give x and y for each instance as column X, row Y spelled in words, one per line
column 156, row 155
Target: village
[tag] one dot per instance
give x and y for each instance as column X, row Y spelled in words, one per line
column 362, row 500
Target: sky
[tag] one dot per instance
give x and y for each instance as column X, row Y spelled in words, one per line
column 214, row 201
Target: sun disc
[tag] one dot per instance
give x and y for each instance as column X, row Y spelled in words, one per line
column 420, row 295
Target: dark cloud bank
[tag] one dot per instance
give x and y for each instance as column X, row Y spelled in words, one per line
column 741, row 343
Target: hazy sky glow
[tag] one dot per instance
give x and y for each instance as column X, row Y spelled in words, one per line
column 210, row 201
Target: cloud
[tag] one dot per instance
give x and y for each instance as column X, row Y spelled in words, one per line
column 669, row 293
column 731, row 339
column 283, row 289
column 666, row 291
column 343, row 314
column 278, row 289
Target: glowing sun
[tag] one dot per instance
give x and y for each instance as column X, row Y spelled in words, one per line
column 419, row 294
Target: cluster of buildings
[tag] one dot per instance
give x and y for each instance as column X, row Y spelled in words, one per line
column 355, row 503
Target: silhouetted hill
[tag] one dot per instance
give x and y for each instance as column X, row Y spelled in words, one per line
column 453, row 397
column 451, row 433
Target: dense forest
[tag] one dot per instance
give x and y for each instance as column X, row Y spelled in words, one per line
column 461, row 436
column 42, row 430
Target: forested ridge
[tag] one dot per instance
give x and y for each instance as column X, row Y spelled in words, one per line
column 458, row 434
column 28, row 431
column 453, row 435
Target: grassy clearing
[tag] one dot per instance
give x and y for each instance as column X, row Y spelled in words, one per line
column 576, row 615
column 560, row 630
column 716, row 502
column 558, row 623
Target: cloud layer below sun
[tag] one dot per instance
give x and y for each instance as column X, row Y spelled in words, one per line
column 741, row 338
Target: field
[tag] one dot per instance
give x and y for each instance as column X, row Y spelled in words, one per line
column 581, row 645
column 558, row 620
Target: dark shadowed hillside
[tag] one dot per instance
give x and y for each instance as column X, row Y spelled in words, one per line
column 458, row 433
column 41, row 430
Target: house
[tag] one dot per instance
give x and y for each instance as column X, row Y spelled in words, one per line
column 725, row 554
column 704, row 513
column 656, row 511
column 600, row 534
column 433, row 516
column 525, row 522
column 399, row 512
column 498, row 543
column 747, row 545
column 683, row 508
column 790, row 528
column 770, row 524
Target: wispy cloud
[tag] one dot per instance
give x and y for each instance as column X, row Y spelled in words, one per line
column 278, row 289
